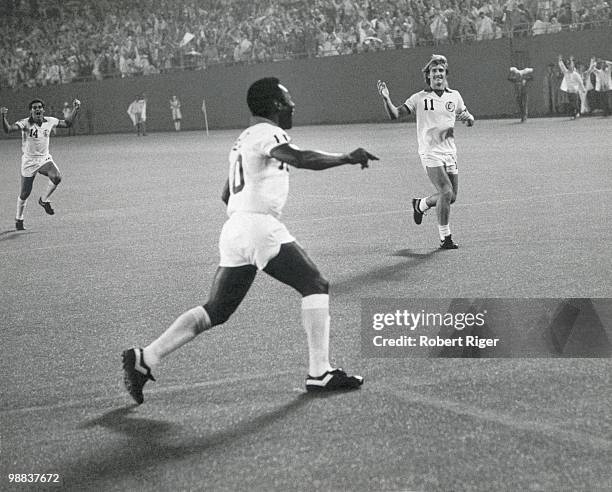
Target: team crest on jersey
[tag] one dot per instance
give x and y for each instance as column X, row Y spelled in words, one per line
column 450, row 106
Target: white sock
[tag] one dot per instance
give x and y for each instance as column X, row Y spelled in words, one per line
column 184, row 329
column 444, row 231
column 423, row 204
column 315, row 318
column 20, row 208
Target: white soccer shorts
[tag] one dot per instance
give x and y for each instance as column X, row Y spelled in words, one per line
column 251, row 239
column 447, row 161
column 31, row 165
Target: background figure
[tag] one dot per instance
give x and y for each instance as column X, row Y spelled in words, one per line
column 66, row 112
column 35, row 134
column 550, row 88
column 138, row 114
column 175, row 107
column 572, row 85
column 519, row 78
column 603, row 83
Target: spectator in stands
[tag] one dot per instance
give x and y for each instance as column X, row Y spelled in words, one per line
column 113, row 38
column 438, row 28
column 540, row 27
column 566, row 17
column 485, row 27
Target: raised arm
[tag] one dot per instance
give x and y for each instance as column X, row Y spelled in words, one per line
column 5, row 124
column 393, row 111
column 318, row 161
column 562, row 65
column 66, row 123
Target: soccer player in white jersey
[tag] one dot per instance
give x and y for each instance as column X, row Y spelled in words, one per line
column 36, row 159
column 436, row 109
column 253, row 238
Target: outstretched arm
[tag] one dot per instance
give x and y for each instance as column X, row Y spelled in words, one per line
column 5, row 124
column 318, row 161
column 393, row 111
column 76, row 105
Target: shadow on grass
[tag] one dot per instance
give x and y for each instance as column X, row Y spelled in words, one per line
column 397, row 272
column 149, row 443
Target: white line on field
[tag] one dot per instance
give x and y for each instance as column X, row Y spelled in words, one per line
column 507, row 420
column 151, row 389
column 531, row 199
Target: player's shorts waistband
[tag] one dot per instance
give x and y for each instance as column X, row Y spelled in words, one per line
column 254, row 212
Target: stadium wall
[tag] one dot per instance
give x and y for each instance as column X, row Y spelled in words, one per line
column 337, row 89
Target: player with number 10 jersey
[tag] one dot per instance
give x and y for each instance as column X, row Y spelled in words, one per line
column 259, row 183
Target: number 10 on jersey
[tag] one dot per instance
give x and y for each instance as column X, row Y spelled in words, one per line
column 237, row 175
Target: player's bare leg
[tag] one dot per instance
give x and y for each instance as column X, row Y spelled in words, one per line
column 25, row 188
column 229, row 287
column 421, row 205
column 446, row 185
column 50, row 170
column 293, row 267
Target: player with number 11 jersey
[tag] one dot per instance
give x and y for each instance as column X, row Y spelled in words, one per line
column 435, row 117
column 436, row 109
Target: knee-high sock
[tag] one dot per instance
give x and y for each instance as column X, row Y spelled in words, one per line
column 20, row 208
column 315, row 317
column 184, row 329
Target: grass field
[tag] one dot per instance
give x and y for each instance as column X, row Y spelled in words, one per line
column 134, row 243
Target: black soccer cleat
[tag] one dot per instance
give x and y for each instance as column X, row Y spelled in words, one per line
column 46, row 206
column 19, row 225
column 336, row 379
column 135, row 373
column 417, row 215
column 447, row 243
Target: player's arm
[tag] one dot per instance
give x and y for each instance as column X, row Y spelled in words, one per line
column 5, row 124
column 465, row 116
column 66, row 123
column 317, row 160
column 393, row 111
column 591, row 68
column 225, row 194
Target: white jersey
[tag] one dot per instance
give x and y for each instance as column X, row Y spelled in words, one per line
column 34, row 137
column 435, row 116
column 258, row 183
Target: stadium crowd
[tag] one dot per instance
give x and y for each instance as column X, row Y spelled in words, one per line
column 59, row 41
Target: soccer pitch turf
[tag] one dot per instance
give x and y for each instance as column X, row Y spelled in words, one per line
column 134, row 243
